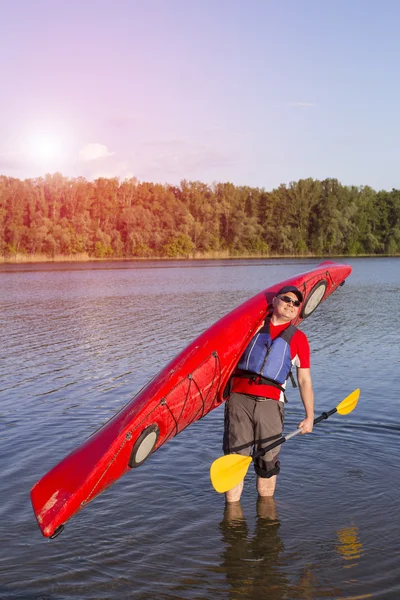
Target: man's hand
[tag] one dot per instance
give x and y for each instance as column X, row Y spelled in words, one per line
column 306, row 425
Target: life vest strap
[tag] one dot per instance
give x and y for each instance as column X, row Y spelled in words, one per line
column 292, row 379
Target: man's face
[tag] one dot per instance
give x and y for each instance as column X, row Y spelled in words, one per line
column 284, row 306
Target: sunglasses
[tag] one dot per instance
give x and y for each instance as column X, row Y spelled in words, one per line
column 289, row 300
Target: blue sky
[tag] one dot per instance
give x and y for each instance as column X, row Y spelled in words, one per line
column 258, row 93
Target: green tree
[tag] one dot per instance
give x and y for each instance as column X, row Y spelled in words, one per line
column 178, row 246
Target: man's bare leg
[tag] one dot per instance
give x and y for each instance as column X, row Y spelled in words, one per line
column 234, row 511
column 266, row 486
column 234, row 494
column 266, row 508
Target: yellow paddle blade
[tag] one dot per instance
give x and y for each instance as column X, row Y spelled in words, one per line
column 349, row 403
column 227, row 471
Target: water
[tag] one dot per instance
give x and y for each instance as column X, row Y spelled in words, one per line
column 77, row 341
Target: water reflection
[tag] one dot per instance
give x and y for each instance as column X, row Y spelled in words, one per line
column 251, row 561
column 351, row 549
column 349, row 545
column 256, row 564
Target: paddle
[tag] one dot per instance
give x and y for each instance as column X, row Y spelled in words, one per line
column 227, row 471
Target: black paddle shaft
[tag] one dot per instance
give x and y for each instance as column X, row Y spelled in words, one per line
column 325, row 415
column 281, row 440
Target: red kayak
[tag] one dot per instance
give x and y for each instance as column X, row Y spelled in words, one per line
column 189, row 387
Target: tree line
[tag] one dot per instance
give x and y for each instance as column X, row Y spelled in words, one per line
column 109, row 218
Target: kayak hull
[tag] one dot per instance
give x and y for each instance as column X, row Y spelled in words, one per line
column 188, row 388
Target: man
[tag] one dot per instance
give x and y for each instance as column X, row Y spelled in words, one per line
column 255, row 409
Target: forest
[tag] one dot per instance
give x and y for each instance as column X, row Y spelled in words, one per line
column 108, row 218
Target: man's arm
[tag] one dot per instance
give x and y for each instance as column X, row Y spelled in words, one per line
column 307, row 397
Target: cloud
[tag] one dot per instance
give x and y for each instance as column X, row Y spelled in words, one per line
column 120, row 170
column 123, row 121
column 301, row 104
column 173, row 143
column 223, row 133
column 94, row 152
column 190, row 159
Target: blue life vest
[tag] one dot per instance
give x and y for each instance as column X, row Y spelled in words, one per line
column 270, row 359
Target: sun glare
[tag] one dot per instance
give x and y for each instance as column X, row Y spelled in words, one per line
column 47, row 150
column 44, row 148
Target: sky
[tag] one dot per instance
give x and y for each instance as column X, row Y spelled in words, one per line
column 254, row 92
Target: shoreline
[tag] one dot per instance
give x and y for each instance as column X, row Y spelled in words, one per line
column 85, row 258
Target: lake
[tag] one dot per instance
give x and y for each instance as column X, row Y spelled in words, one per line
column 77, row 341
